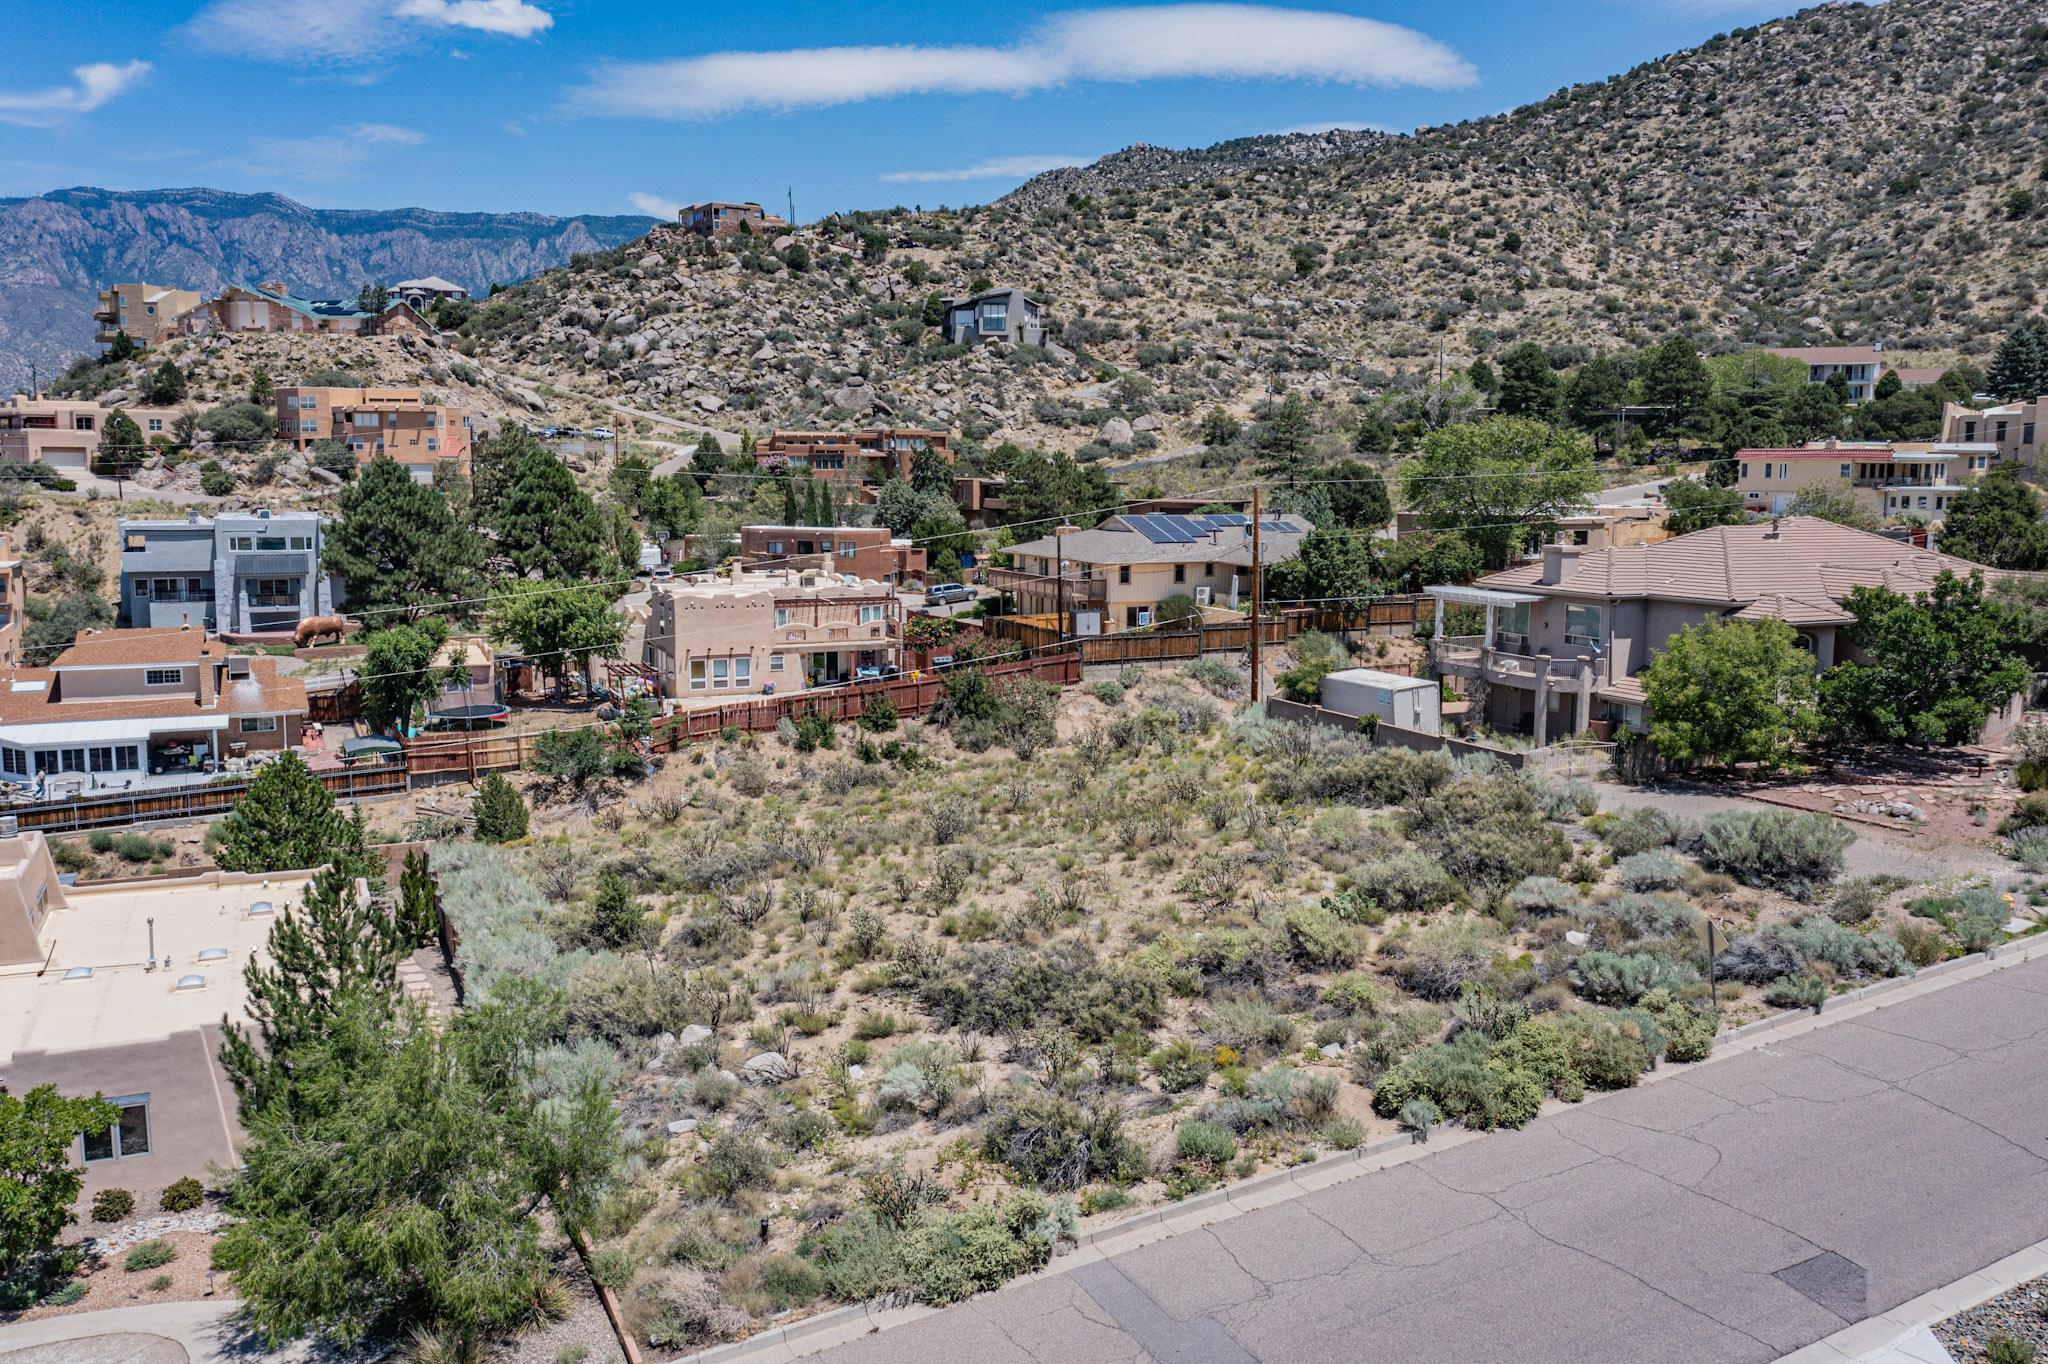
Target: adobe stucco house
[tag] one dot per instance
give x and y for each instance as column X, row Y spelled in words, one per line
column 713, row 637
column 1568, row 636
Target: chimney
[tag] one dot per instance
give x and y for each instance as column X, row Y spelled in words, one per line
column 209, row 683
column 1772, row 533
column 1557, row 561
column 1061, row 532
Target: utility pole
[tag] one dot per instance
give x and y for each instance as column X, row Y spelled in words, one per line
column 1059, row 587
column 1257, row 587
column 790, row 191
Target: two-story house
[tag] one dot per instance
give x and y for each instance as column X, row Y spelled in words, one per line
column 144, row 313
column 864, row 551
column 873, row 455
column 398, row 423
column 715, row 637
column 64, row 433
column 120, row 706
column 1115, row 576
column 271, row 307
column 240, row 573
column 1896, row 481
column 2014, row 430
column 1860, row 366
column 1011, row 315
column 1568, row 636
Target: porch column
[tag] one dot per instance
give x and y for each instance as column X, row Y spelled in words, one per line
column 1542, row 701
column 1438, row 636
column 1492, row 621
column 1586, row 693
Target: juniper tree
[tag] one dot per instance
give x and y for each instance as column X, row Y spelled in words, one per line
column 500, row 810
column 288, row 820
column 419, row 912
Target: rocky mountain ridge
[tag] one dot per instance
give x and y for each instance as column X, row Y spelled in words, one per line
column 1144, row 166
column 58, row 249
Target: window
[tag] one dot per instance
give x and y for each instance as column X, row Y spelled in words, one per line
column 302, row 542
column 775, row 663
column 2027, row 434
column 775, row 547
column 257, row 724
column 1969, row 431
column 432, row 445
column 1745, row 472
column 81, row 423
column 743, row 672
column 156, row 423
column 1180, row 573
column 873, row 615
column 307, row 403
column 1848, row 470
column 127, row 759
column 696, row 674
column 1513, row 620
column 129, row 1136
column 163, row 677
column 719, row 668
column 1123, row 573
column 308, row 427
column 14, row 761
column 100, row 759
column 270, row 542
column 1582, row 625
column 71, row 759
column 1208, row 570
column 781, row 616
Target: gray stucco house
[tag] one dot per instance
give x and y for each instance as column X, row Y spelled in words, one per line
column 1011, row 314
column 240, row 573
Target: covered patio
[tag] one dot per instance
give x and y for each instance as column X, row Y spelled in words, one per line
column 1535, row 693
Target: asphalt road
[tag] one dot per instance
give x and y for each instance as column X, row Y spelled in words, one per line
column 1734, row 1213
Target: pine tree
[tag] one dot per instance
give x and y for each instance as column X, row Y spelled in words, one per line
column 549, row 526
column 2019, row 371
column 399, row 546
column 120, row 448
column 1286, row 439
column 287, row 821
column 262, row 389
column 335, row 946
column 1528, row 385
column 500, row 811
column 419, row 912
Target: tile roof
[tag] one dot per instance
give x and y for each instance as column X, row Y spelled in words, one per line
column 1788, row 568
column 138, row 648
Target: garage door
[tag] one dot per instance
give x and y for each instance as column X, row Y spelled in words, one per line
column 66, row 459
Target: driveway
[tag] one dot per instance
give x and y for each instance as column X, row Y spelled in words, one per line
column 1732, row 1213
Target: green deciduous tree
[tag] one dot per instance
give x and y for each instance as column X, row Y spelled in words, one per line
column 1834, row 504
column 399, row 547
column 1732, row 692
column 672, row 507
column 1330, row 566
column 399, row 676
column 1357, row 495
column 558, row 625
column 288, row 821
column 1937, row 665
column 1498, row 481
column 1700, row 506
column 39, row 1180
column 1997, row 523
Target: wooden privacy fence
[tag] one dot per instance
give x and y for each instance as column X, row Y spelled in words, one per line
column 335, row 705
column 465, row 757
column 1169, row 645
column 137, row 807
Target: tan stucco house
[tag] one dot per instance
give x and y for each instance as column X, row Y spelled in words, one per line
column 1114, row 576
column 713, row 636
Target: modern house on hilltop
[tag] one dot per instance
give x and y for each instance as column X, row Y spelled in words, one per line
column 240, row 573
column 145, row 313
column 1567, row 637
column 2012, row 429
column 271, row 307
column 723, row 218
column 1860, row 366
column 997, row 314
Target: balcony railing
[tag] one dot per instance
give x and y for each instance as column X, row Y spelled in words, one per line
column 1468, row 656
column 1046, row 586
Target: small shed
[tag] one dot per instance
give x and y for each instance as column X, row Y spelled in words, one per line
column 1414, row 703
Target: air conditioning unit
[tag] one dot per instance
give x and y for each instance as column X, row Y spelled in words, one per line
column 1201, row 596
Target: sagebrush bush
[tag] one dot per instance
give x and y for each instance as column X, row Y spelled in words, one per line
column 1794, row 949
column 1248, row 1025
column 1488, row 830
column 1606, row 1053
column 1205, row 1141
column 1542, row 896
column 1637, row 830
column 1317, row 939
column 1652, row 915
column 1458, row 1078
column 859, row 1256
column 1798, row 854
column 152, row 1254
column 1180, row 1065
column 736, row 1162
column 1408, row 881
column 1623, row 978
column 1437, row 959
column 952, row 1255
column 1855, row 902
column 1653, row 870
column 1055, row 1144
column 1796, row 992
column 994, row 988
column 1357, row 993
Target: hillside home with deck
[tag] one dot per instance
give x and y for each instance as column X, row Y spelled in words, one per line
column 120, row 707
column 2014, row 430
column 1115, row 576
column 239, row 573
column 875, row 455
column 64, row 433
column 864, row 551
column 145, row 313
column 1011, row 315
column 1568, row 636
column 1896, row 481
column 725, row 218
column 713, row 637
column 398, row 423
column 271, row 307
column 1860, row 366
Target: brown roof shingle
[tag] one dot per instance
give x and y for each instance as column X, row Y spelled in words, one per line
column 138, row 648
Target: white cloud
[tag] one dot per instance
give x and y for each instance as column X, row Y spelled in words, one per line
column 325, row 158
column 654, row 206
column 1159, row 42
column 95, row 84
column 995, row 168
column 513, row 18
column 351, row 30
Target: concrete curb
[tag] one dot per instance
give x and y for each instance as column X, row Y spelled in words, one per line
column 775, row 1345
column 1871, row 1336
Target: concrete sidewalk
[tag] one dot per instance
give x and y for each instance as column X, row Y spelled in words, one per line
column 156, row 1333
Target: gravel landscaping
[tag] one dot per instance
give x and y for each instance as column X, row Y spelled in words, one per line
column 2021, row 1313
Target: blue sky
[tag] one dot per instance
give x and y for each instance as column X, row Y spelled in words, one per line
column 613, row 106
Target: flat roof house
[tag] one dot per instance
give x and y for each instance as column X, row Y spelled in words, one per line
column 1862, row 366
column 998, row 314
column 240, row 573
column 63, row 433
column 864, row 551
column 146, row 313
column 395, row 422
column 1568, row 636
column 2014, row 429
column 1114, row 576
column 129, row 709
column 723, row 218
column 873, row 455
column 715, row 637
column 120, row 989
column 1896, row 480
